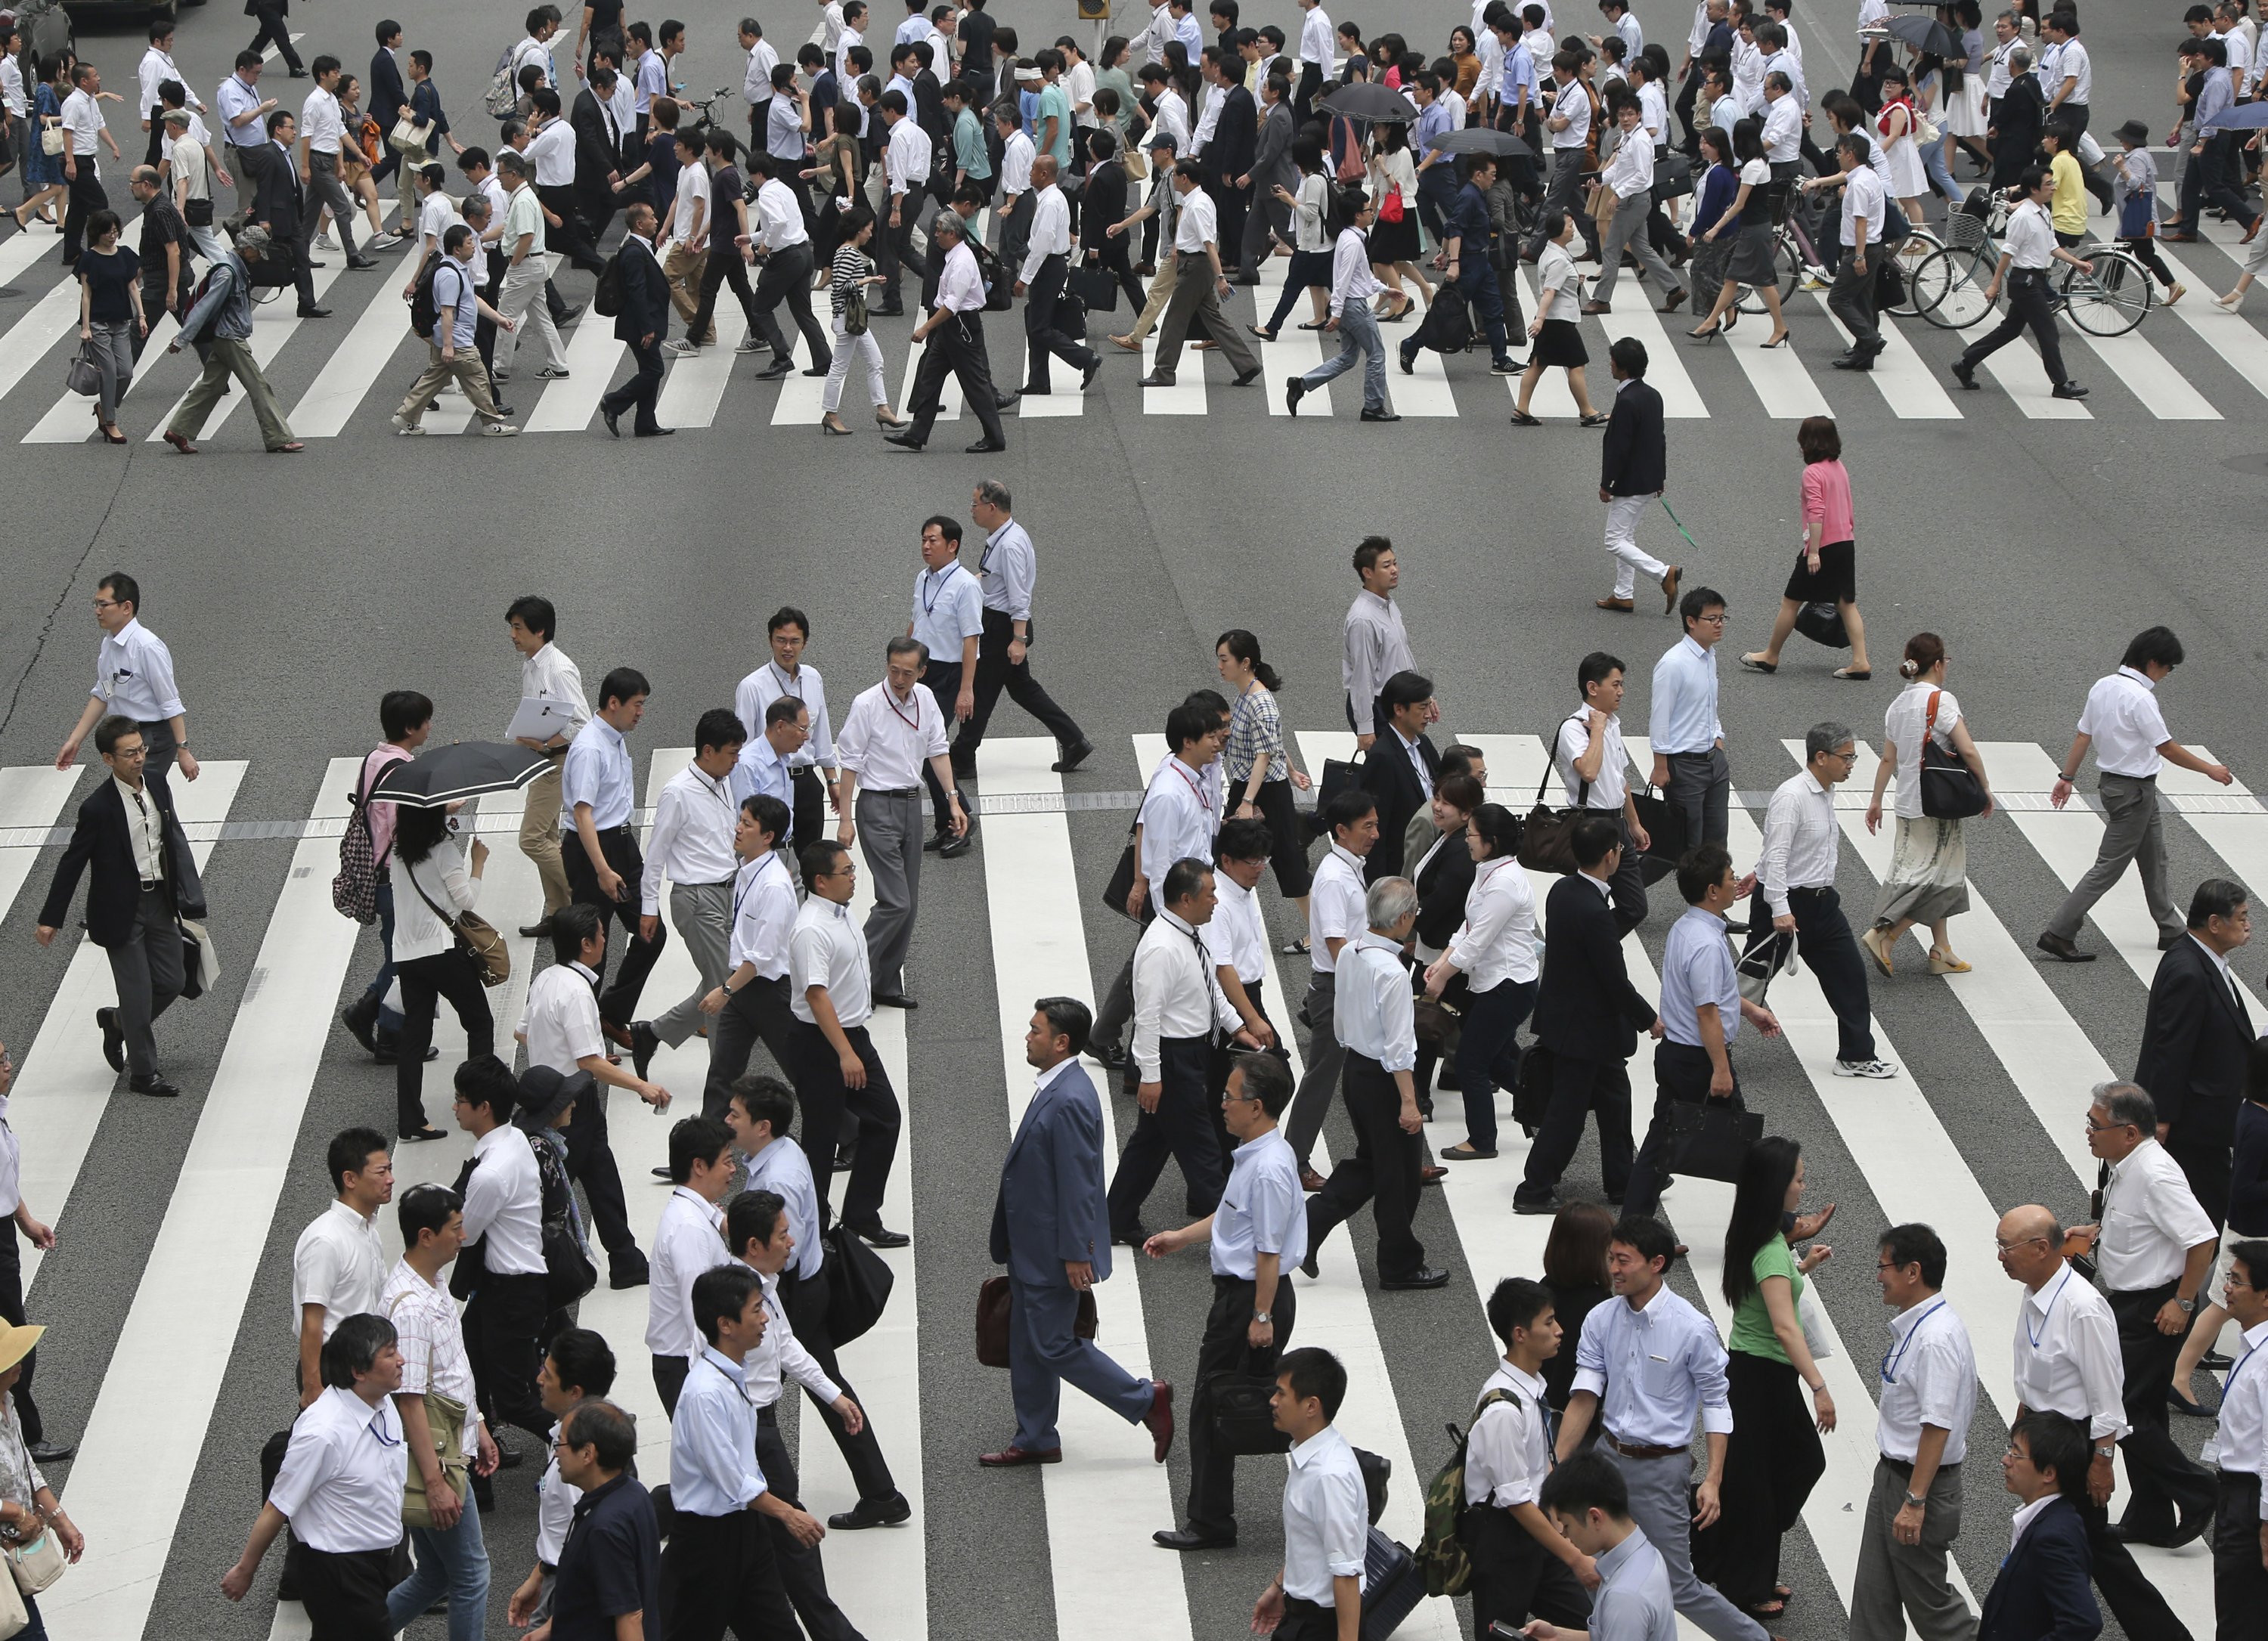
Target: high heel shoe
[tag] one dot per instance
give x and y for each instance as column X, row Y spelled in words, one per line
column 888, row 422
column 1777, row 341
column 1705, row 335
column 828, row 425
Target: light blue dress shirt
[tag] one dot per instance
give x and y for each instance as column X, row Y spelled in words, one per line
column 1633, row 1602
column 782, row 1169
column 1697, row 968
column 948, row 606
column 1263, row 1209
column 712, row 1439
column 597, row 772
column 1652, row 1369
column 1683, row 717
column 1518, row 70
column 759, row 769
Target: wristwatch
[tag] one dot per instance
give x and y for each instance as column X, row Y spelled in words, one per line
column 2187, row 1306
column 2105, row 1451
column 1917, row 1503
column 1263, row 1316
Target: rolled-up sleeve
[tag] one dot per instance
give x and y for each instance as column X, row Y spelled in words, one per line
column 1591, row 1352
column 1346, row 1526
column 1706, row 1358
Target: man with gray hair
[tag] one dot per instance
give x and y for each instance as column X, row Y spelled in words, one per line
column 522, row 243
column 953, row 336
column 1795, row 893
column 1372, row 1015
column 2154, row 1249
column 218, row 325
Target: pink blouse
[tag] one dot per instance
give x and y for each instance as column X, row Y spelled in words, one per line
column 1827, row 500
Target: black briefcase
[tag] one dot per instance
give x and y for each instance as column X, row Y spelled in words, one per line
column 1664, row 834
column 1710, row 1140
column 1234, row 1406
column 858, row 1282
column 1121, row 876
column 1531, row 1095
column 1095, row 287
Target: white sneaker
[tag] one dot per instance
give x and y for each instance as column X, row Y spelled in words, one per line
column 682, row 349
column 404, row 426
column 384, row 241
column 505, row 430
column 323, row 242
column 1881, row 1071
column 749, row 345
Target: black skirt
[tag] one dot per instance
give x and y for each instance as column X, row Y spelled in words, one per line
column 1837, row 581
column 1395, row 241
column 1560, row 342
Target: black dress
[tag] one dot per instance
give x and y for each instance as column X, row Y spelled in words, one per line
column 1571, row 1307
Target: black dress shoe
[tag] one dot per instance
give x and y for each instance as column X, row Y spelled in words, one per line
column 113, row 1039
column 1380, row 415
column 875, row 1235
column 955, row 848
column 892, row 311
column 1133, row 1236
column 894, row 1000
column 1073, row 757
column 2214, row 1361
column 568, row 314
column 388, row 1052
column 777, row 369
column 1111, row 1055
column 154, row 1086
column 651, row 432
column 872, row 1513
column 51, row 1452
column 1190, row 1538
column 1423, row 1276
column 934, row 842
column 988, row 446
column 613, row 419
column 660, row 1172
column 2060, row 946
column 628, row 1271
column 1539, row 1205
column 1245, row 378
column 537, row 931
column 1308, row 1268
column 904, row 441
column 643, row 1045
column 317, row 312
column 359, row 264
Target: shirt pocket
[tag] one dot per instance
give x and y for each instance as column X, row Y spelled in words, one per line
column 1659, row 1376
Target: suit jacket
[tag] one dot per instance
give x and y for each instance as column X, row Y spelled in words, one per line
column 1049, row 1210
column 1586, row 1008
column 2042, row 1593
column 2023, row 112
column 1635, row 461
column 1103, row 204
column 279, row 199
column 1272, row 159
column 113, row 897
column 2195, row 1042
column 1388, row 779
column 646, row 294
column 388, row 95
column 596, row 152
column 1235, row 136
column 929, row 110
column 1443, row 882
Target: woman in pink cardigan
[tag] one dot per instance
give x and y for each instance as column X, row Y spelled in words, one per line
column 1826, row 571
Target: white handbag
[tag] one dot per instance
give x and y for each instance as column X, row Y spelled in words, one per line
column 410, row 135
column 37, row 1564
column 53, row 140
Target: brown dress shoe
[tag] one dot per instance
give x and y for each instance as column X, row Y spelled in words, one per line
column 1159, row 1419
column 1011, row 1456
column 1621, row 607
column 1669, row 580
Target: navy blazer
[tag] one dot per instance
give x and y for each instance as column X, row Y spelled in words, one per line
column 99, row 839
column 2042, row 1593
column 2195, row 1044
column 1050, row 1210
column 1635, row 458
column 646, row 295
column 1389, row 777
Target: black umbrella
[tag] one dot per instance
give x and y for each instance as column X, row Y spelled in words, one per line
column 1364, row 100
column 1926, row 34
column 1480, row 139
column 462, row 769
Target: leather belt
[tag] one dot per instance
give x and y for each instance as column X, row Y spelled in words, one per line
column 1633, row 1450
column 150, row 886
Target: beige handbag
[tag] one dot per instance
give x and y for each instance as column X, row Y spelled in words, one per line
column 38, row 1563
column 14, row 1616
column 53, row 140
column 410, row 135
column 476, row 938
column 444, row 1417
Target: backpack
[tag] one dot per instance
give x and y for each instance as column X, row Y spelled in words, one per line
column 1441, row 1554
column 607, row 295
column 354, row 892
column 568, row 1272
column 424, row 302
column 999, row 290
column 504, row 91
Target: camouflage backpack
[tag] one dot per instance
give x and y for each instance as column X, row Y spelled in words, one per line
column 1441, row 1555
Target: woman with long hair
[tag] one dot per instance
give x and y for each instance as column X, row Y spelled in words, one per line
column 1575, row 1270
column 1928, row 879
column 431, row 888
column 1394, row 245
column 1261, row 773
column 1773, row 1458
column 1494, row 949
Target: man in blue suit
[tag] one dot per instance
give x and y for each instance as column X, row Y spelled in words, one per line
column 2043, row 1591
column 1052, row 1230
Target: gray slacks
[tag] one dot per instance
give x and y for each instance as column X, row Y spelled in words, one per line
column 1627, row 232
column 1196, row 301
column 1701, row 785
column 324, row 189
column 1267, row 215
column 1896, row 1582
column 702, row 914
column 1852, row 299
column 147, row 970
column 801, row 1570
column 1325, row 1055
column 2131, row 831
column 1659, row 1505
column 224, row 357
column 889, row 826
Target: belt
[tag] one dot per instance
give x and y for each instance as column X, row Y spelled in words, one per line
column 891, row 791
column 1811, row 888
column 1904, row 1466
column 721, row 883
column 150, row 886
column 1704, row 753
column 622, row 830
column 1633, row 1450
column 768, row 1416
column 2116, row 775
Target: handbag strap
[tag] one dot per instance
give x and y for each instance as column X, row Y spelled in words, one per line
column 409, row 869
column 1583, row 787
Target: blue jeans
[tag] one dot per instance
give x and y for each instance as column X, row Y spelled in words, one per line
column 1358, row 337
column 36, row 1630
column 388, row 1020
column 1488, row 1056
column 1937, row 160
column 456, row 1561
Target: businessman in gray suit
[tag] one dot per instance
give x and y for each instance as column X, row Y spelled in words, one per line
column 1271, row 169
column 1051, row 1229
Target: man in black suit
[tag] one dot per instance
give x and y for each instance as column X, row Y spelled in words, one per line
column 1401, row 768
column 126, row 832
column 274, row 31
column 1587, row 1018
column 642, row 320
column 1633, row 466
column 280, row 205
column 2195, row 1039
column 598, row 151
column 1228, row 156
column 2041, row 1591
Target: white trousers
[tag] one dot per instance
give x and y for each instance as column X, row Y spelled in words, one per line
column 1622, row 541
column 848, row 347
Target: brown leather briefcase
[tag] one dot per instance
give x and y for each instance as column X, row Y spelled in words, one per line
column 993, row 1306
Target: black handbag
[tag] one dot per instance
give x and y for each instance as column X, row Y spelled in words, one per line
column 1122, row 876
column 1531, row 1095
column 1710, row 1140
column 1234, row 1404
column 1951, row 790
column 1822, row 623
column 1095, row 287
column 858, row 1282
column 1547, row 839
column 1664, row 834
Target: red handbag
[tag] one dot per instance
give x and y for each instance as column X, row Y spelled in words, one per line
column 1391, row 209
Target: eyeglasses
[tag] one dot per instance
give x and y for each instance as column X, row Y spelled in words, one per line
column 1717, row 620
column 2009, row 1248
column 2093, row 1127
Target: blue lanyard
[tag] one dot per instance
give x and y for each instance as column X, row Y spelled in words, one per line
column 2229, row 1383
column 2048, row 1315
column 934, row 586
column 1891, row 1359
column 755, row 877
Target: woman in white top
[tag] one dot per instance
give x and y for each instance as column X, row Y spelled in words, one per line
column 1556, row 330
column 1495, row 949
column 1311, row 241
column 1394, row 246
column 430, row 888
column 1928, row 879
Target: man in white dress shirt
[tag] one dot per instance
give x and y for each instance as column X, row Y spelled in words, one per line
column 783, row 248
column 1795, row 894
column 1352, row 287
column 134, row 678
column 690, row 843
column 1199, row 284
column 1008, row 570
column 953, row 334
column 948, row 618
column 578, row 1367
column 323, row 128
column 504, row 1214
column 338, row 1265
column 838, row 1072
column 1334, row 919
column 788, row 632
column 2153, row 1248
column 156, row 68
column 1914, row 1509
column 751, row 1001
column 2126, row 728
column 893, row 733
column 598, row 790
column 2066, row 1362
column 1629, row 175
column 688, row 1240
column 545, row 674
column 1040, row 277
column 1317, row 1595
column 1238, row 941
column 1852, row 299
column 1594, row 769
column 1374, row 644
column 2240, row 1541
column 1317, row 46
column 906, row 156
column 1179, row 1010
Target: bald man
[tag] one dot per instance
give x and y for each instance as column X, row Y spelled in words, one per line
column 1039, row 281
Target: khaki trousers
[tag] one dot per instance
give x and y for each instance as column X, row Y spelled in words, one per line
column 539, row 835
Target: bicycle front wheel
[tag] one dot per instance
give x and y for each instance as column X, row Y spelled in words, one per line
column 2111, row 300
column 1912, row 252
column 1949, row 289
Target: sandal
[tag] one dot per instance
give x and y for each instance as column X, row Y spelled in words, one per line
column 1597, row 418
column 1946, row 963
column 1757, row 664
column 1295, row 949
column 1853, row 676
column 1522, row 418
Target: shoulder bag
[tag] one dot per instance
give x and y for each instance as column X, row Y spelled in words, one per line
column 854, row 312
column 1234, row 1407
column 858, row 1282
column 1547, row 839
column 410, row 135
column 1121, row 876
column 476, row 938
column 36, row 1563
column 14, row 1616
column 445, row 1418
column 1951, row 790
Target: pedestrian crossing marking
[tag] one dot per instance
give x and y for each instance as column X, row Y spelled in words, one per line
column 695, row 384
column 570, row 406
column 1906, row 382
column 274, row 321
column 1187, row 395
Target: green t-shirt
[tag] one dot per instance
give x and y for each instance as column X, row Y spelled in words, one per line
column 1053, row 102
column 1752, row 1329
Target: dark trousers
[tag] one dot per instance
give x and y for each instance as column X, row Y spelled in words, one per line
column 825, row 1098
column 571, row 238
column 1042, row 332
column 501, row 1324
column 2028, row 305
column 1477, row 283
column 1853, row 299
column 1701, row 785
column 802, row 1573
column 425, row 981
column 643, row 391
column 1629, row 883
column 669, row 1375
column 1515, row 1577
column 12, row 1310
column 1488, row 1053
column 720, row 1573
column 758, row 1010
column 147, row 971
column 944, row 681
column 1305, row 1621
column 995, row 672
column 1578, row 1088
column 153, row 304
column 1223, row 1348
column 786, row 278
column 591, row 1162
column 722, row 269
column 1437, row 188
column 2166, row 1484
column 2214, row 179
column 1773, row 1461
column 1312, row 1103
column 805, row 1298
column 2201, row 1146
column 1824, row 939
column 617, row 1003
column 274, row 30
column 893, row 247
column 84, row 197
column 1232, row 206
column 810, row 793
column 1308, row 268
column 1384, row 1171
column 345, row 1594
column 1681, row 1076
column 2240, row 1584
column 1180, row 1128
column 1303, row 98
column 2125, row 1589
column 956, row 349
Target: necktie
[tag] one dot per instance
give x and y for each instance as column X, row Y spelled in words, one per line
column 2236, row 996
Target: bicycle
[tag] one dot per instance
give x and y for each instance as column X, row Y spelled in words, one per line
column 1793, row 258
column 704, row 108
column 2109, row 299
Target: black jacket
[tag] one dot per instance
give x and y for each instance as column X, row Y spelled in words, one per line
column 2195, row 1042
column 1103, row 204
column 646, row 295
column 1635, row 461
column 279, row 199
column 598, row 150
column 388, row 95
column 1443, row 881
column 1235, row 136
column 2042, row 1593
column 113, row 897
column 1388, row 779
column 1586, row 1008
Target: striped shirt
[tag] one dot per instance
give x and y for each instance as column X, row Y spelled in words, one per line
column 432, row 1343
column 851, row 267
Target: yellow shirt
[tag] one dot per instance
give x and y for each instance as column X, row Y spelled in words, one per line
column 2067, row 206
